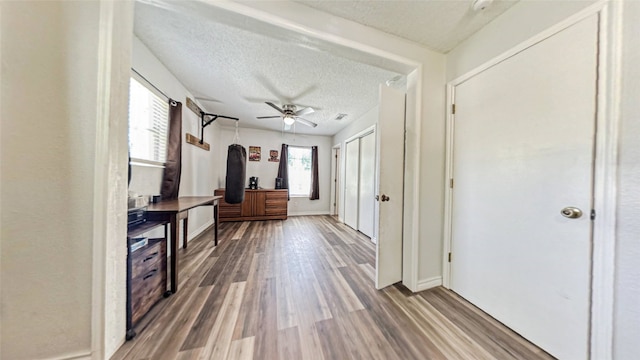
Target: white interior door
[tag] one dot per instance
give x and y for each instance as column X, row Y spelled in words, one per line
column 523, row 151
column 352, row 165
column 366, row 199
column 390, row 174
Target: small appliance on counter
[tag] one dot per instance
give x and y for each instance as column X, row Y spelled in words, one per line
column 253, row 182
column 278, row 183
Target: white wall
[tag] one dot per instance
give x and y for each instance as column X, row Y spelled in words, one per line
column 627, row 293
column 199, row 167
column 267, row 171
column 48, row 136
column 520, row 22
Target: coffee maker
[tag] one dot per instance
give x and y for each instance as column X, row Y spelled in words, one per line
column 253, row 182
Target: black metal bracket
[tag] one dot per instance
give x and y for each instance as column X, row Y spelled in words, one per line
column 204, row 123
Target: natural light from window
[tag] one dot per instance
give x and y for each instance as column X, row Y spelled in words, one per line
column 148, row 124
column 299, row 161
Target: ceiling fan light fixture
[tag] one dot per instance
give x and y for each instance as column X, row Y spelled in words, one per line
column 288, row 120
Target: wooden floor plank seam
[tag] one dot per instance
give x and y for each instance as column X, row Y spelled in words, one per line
column 303, row 288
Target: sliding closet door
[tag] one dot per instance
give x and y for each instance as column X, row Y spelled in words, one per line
column 366, row 201
column 352, row 165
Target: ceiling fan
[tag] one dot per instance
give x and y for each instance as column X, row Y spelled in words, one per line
column 290, row 115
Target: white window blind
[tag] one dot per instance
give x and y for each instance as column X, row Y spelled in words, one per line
column 299, row 164
column 148, row 125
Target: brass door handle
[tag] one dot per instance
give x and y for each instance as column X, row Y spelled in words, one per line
column 571, row 212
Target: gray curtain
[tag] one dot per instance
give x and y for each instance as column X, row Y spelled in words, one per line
column 315, row 186
column 283, row 167
column 173, row 166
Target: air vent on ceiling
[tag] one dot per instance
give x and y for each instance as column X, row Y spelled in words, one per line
column 340, row 116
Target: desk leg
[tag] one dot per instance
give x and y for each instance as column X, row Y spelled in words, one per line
column 215, row 224
column 174, row 252
column 185, row 224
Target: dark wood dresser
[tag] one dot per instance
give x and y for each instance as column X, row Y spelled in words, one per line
column 260, row 204
column 146, row 273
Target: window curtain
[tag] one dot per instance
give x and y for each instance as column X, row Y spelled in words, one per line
column 283, row 168
column 315, row 186
column 173, row 166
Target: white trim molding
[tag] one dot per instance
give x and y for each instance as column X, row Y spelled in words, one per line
column 101, row 186
column 605, row 173
column 605, row 181
column 78, row 356
column 195, row 233
column 309, row 213
column 426, row 284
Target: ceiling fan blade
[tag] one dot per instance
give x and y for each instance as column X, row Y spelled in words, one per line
column 305, row 111
column 268, row 117
column 275, row 107
column 306, row 122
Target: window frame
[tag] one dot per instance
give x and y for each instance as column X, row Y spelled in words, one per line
column 308, row 193
column 145, row 83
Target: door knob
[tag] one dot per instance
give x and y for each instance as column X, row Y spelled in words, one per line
column 571, row 212
column 384, row 197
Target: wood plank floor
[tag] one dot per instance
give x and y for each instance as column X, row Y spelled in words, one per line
column 303, row 289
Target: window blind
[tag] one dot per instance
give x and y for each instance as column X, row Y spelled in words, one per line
column 148, row 124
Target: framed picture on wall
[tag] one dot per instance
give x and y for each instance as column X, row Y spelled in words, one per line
column 254, row 153
column 273, row 156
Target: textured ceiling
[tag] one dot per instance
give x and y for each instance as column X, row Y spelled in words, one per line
column 437, row 24
column 238, row 63
column 239, row 70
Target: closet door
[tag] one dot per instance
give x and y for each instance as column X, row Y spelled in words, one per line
column 366, row 201
column 352, row 166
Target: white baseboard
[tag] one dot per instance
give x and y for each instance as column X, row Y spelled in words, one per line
column 78, row 356
column 429, row 283
column 192, row 234
column 307, row 213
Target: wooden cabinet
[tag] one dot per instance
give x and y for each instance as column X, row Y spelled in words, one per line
column 261, row 204
column 146, row 275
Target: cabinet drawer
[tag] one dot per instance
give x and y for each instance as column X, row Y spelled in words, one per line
column 277, row 195
column 276, row 203
column 146, row 290
column 150, row 257
column 276, row 207
column 226, row 210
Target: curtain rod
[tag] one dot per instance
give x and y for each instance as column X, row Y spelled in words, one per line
column 151, row 84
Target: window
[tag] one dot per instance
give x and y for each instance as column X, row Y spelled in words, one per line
column 148, row 125
column 299, row 162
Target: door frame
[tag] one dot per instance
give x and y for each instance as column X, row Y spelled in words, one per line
column 336, row 153
column 605, row 172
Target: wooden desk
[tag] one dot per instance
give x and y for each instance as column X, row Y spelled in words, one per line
column 175, row 210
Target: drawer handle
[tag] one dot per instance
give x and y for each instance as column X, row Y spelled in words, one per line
column 150, row 257
column 150, row 274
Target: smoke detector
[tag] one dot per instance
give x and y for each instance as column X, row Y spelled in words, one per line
column 479, row 5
